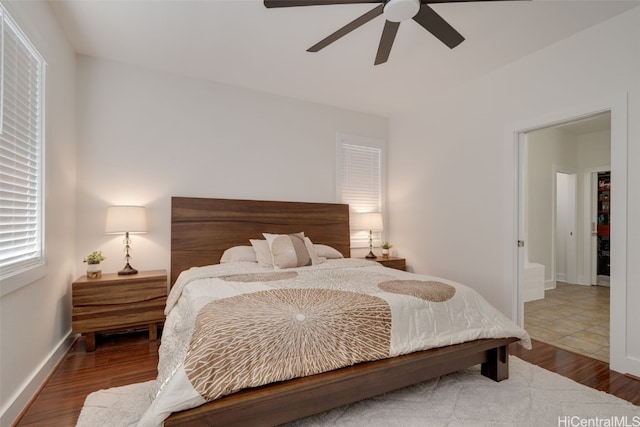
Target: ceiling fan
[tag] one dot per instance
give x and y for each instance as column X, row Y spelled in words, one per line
column 394, row 11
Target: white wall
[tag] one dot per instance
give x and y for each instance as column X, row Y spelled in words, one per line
column 451, row 210
column 36, row 319
column 146, row 136
column 594, row 149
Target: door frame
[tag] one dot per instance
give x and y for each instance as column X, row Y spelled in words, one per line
column 514, row 156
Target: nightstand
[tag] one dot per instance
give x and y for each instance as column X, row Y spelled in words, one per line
column 392, row 262
column 114, row 303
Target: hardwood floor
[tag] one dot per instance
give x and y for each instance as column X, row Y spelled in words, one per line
column 118, row 360
column 127, row 359
column 582, row 369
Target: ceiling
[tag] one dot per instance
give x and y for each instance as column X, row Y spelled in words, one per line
column 240, row 42
column 597, row 123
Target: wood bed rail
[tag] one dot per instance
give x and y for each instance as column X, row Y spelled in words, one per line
column 286, row 401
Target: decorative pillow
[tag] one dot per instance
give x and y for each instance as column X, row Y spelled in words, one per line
column 315, row 259
column 288, row 250
column 327, row 251
column 263, row 254
column 239, row 254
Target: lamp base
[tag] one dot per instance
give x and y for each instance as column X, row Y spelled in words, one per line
column 127, row 270
column 371, row 255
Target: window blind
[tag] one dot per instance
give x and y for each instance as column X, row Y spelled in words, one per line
column 21, row 195
column 360, row 181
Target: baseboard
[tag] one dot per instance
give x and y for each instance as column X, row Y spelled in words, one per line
column 14, row 407
column 549, row 284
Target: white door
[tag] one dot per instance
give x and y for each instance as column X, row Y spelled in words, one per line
column 566, row 260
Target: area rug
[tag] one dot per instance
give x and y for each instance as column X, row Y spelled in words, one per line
column 532, row 396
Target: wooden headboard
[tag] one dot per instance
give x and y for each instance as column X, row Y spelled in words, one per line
column 201, row 229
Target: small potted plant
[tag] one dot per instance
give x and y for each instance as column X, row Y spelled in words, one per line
column 93, row 264
column 385, row 248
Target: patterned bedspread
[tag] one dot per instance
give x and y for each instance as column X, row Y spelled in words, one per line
column 234, row 326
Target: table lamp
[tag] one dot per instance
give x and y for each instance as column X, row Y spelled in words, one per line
column 125, row 220
column 369, row 221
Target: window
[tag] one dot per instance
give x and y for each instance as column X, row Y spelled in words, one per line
column 21, row 153
column 360, row 179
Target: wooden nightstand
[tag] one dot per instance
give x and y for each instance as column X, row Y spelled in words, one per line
column 114, row 303
column 392, row 262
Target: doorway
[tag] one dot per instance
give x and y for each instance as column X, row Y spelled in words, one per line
column 571, row 314
column 621, row 317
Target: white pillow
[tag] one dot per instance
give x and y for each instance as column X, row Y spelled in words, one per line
column 263, row 254
column 288, row 250
column 239, row 254
column 315, row 259
column 327, row 251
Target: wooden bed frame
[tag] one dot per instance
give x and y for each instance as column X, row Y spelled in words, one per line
column 201, row 229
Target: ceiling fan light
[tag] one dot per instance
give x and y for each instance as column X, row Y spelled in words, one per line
column 401, row 10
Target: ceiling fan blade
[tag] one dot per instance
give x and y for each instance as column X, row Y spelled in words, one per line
column 386, row 41
column 437, row 26
column 293, row 3
column 347, row 29
column 459, row 1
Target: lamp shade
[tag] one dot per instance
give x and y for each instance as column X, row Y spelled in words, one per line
column 368, row 221
column 123, row 219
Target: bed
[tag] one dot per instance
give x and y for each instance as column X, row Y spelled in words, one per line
column 202, row 229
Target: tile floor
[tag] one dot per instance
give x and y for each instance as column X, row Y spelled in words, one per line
column 573, row 317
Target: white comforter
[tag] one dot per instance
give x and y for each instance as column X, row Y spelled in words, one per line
column 269, row 325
